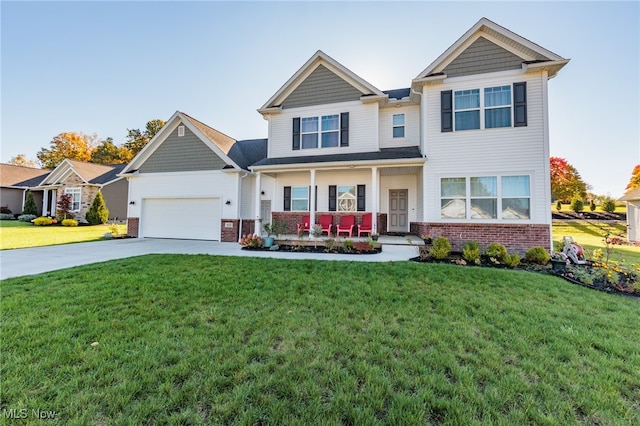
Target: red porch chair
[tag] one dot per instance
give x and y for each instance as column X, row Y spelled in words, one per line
column 367, row 224
column 305, row 226
column 326, row 222
column 346, row 225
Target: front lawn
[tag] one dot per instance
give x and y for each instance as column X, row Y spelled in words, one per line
column 15, row 234
column 220, row 340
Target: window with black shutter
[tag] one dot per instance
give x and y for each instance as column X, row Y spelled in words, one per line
column 361, row 198
column 344, row 129
column 333, row 198
column 520, row 104
column 296, row 133
column 287, row 199
column 446, row 111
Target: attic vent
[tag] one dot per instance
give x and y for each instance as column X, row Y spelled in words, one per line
column 180, row 130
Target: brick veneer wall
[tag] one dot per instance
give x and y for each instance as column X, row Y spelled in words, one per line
column 292, row 219
column 229, row 234
column 133, row 226
column 248, row 227
column 516, row 238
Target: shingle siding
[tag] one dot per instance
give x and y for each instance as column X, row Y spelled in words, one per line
column 482, row 57
column 321, row 87
column 182, row 154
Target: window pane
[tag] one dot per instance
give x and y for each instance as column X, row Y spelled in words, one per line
column 515, row 208
column 497, row 96
column 330, row 122
column 468, row 120
column 398, row 132
column 484, row 208
column 484, row 186
column 453, row 187
column 310, row 140
column 515, row 186
column 299, row 205
column 330, row 139
column 453, row 208
column 398, row 119
column 347, row 198
column 299, row 192
column 309, row 124
column 467, row 99
column 497, row 117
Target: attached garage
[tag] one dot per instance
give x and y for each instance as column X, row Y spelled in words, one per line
column 181, row 218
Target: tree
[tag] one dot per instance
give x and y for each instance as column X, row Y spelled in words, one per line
column 577, row 205
column 22, row 161
column 30, row 205
column 71, row 145
column 565, row 180
column 98, row 213
column 634, row 182
column 108, row 153
column 64, row 207
column 136, row 139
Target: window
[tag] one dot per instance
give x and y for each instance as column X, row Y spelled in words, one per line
column 467, row 109
column 327, row 131
column 398, row 125
column 75, row 198
column 300, row 198
column 485, row 197
column 346, row 198
column 497, row 107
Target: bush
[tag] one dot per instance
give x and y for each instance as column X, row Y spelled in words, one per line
column 471, row 252
column 559, row 205
column 512, row 260
column 592, row 206
column 42, row 221
column 348, row 246
column 5, row 210
column 98, row 213
column 496, row 252
column 30, row 205
column 26, row 217
column 251, row 241
column 537, row 255
column 69, row 222
column 441, row 248
column 609, row 205
column 6, row 216
column 577, row 205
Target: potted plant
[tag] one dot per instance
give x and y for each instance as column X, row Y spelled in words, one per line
column 426, row 238
column 375, row 236
column 273, row 229
column 559, row 262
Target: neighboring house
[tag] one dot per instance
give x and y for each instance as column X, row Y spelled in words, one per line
column 192, row 181
column 632, row 198
column 463, row 153
column 15, row 182
column 83, row 181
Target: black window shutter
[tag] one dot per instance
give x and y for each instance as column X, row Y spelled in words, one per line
column 520, row 104
column 344, row 129
column 361, row 198
column 287, row 198
column 446, row 111
column 333, row 198
column 296, row 133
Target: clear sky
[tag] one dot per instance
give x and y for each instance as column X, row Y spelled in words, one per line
column 105, row 67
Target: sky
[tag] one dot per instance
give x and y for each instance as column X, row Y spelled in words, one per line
column 105, row 67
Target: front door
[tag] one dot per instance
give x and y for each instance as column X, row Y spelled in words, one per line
column 398, row 210
column 265, row 211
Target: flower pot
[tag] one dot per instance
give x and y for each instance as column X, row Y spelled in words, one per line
column 374, row 237
column 427, row 240
column 558, row 266
column 268, row 241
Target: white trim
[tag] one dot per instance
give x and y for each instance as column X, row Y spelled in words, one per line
column 72, row 190
column 341, row 165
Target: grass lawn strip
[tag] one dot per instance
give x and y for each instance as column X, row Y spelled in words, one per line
column 203, row 339
column 15, row 234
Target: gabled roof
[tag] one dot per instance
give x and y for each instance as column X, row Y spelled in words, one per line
column 632, row 195
column 533, row 55
column 19, row 176
column 90, row 173
column 320, row 58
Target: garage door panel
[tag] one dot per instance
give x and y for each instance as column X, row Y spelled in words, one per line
column 183, row 218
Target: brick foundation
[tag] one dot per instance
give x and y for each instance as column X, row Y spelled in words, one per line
column 248, row 227
column 229, row 230
column 516, row 238
column 133, row 226
column 292, row 219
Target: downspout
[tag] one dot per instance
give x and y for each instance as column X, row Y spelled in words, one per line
column 240, row 205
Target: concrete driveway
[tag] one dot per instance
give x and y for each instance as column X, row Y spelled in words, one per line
column 31, row 261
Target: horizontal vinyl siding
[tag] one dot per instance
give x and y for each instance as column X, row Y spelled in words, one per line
column 411, row 130
column 363, row 129
column 519, row 150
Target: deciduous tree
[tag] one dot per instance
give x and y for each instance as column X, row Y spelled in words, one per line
column 565, row 180
column 21, row 160
column 109, row 153
column 71, row 145
column 634, row 182
column 136, row 139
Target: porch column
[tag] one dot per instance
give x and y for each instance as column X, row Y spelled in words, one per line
column 375, row 193
column 257, row 227
column 312, row 198
column 45, row 202
column 425, row 193
column 54, row 202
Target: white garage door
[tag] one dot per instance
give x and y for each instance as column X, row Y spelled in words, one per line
column 183, row 218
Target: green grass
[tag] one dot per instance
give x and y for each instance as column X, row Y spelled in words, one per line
column 216, row 340
column 15, row 234
column 621, row 207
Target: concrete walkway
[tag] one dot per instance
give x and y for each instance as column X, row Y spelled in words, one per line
column 30, row 261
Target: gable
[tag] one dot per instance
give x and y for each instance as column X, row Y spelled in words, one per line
column 321, row 87
column 182, row 154
column 483, row 56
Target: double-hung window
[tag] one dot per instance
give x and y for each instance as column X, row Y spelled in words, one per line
column 398, row 125
column 485, row 197
column 325, row 131
column 347, row 198
column 330, row 131
column 300, row 198
column 467, row 109
column 75, row 198
column 309, row 132
column 497, row 107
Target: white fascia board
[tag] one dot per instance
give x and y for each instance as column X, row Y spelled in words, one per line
column 340, row 165
column 551, row 67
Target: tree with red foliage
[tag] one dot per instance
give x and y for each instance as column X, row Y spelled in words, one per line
column 634, row 182
column 565, row 180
